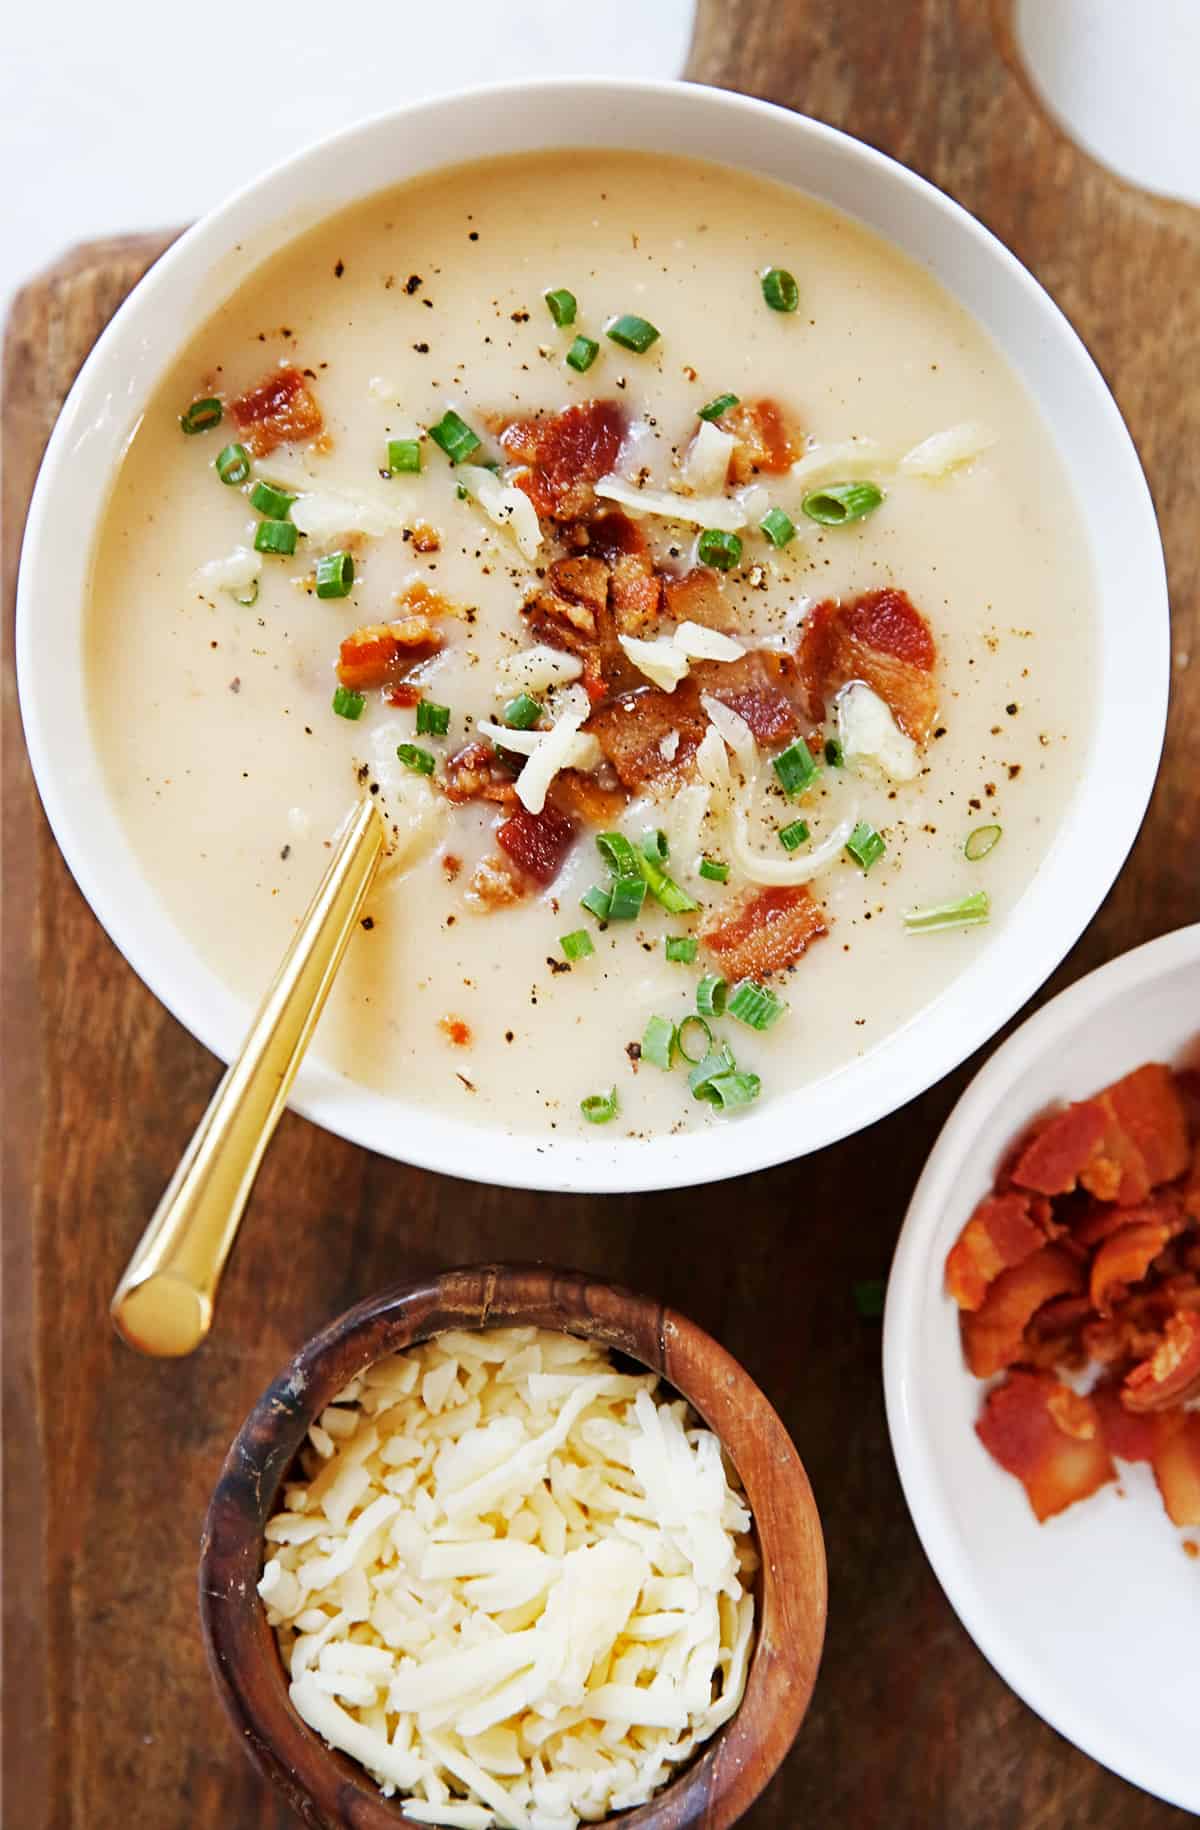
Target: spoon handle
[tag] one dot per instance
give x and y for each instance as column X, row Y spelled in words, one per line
column 164, row 1302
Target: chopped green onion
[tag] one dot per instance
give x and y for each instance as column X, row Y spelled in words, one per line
column 335, row 574
column 980, row 842
column 522, row 713
column 716, row 548
column 780, row 290
column 778, row 527
column 347, row 703
column 868, row 1298
column 714, row 870
column 404, row 456
column 577, row 945
column 833, row 753
column 662, row 887
column 792, row 836
column 716, row 409
column 275, row 537
column 655, row 845
column 720, row 1061
column 681, row 948
column 454, row 436
column 838, row 503
column 710, row 995
column 865, row 845
column 969, row 912
column 658, row 1042
column 691, row 1027
column 795, row 768
column 432, row 720
column 201, row 416
column 598, row 1108
column 729, row 1090
column 561, row 305
column 232, row 464
column 632, row 332
column 246, row 595
column 626, row 898
column 617, row 853
column 414, row 758
column 597, row 902
column 275, row 504
column 752, row 1004
column 582, row 354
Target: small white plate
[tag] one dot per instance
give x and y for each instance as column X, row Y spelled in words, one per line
column 1094, row 1617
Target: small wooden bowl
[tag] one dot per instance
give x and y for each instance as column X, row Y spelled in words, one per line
column 331, row 1791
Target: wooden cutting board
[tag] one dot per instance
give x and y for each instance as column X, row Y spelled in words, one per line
column 108, row 1459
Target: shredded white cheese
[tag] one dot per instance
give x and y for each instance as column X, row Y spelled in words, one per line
column 871, row 740
column 534, row 669
column 328, row 514
column 733, row 730
column 504, row 504
column 945, row 451
column 706, row 462
column 236, row 572
column 700, row 643
column 562, row 747
column 698, row 511
column 555, row 1614
column 661, row 660
column 851, row 457
column 798, row 867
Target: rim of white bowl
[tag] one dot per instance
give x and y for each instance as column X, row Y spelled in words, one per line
column 730, row 129
column 908, row 1284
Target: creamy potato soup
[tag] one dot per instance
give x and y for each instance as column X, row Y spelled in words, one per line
column 687, row 576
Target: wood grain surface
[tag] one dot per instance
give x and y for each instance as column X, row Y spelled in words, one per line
column 109, row 1460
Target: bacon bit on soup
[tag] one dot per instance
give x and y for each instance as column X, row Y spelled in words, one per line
column 279, row 410
column 458, row 1031
column 766, row 933
column 537, row 842
column 418, row 598
column 882, row 639
column 495, row 885
column 698, row 597
column 630, row 730
column 582, row 797
column 766, row 441
column 566, row 453
column 763, row 688
column 425, row 539
column 1111, row 1180
column 576, row 594
column 1049, row 1437
column 635, row 593
column 404, row 695
column 379, row 654
column 477, row 773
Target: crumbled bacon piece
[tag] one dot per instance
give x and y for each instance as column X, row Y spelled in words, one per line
column 1049, row 1437
column 458, row 1032
column 993, row 1335
column 576, row 593
column 763, row 688
column 766, row 441
column 1124, row 1259
column 1176, row 1463
column 635, row 593
column 767, row 932
column 537, row 842
column 999, row 1234
column 1171, row 1375
column 1118, row 1145
column 566, row 453
column 698, row 597
column 425, row 539
column 630, row 730
column 1100, row 1219
column 1127, row 1434
column 495, row 884
column 582, row 797
column 380, row 654
column 880, row 638
column 477, row 773
column 281, row 408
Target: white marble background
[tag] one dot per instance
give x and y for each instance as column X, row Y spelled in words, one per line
column 138, row 115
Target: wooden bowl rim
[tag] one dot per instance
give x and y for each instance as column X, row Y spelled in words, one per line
column 331, row 1791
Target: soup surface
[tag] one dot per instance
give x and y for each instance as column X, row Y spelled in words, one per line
column 920, row 656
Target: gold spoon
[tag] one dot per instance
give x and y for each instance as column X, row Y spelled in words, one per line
column 164, row 1303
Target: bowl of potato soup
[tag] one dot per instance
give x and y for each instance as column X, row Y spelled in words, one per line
column 716, row 554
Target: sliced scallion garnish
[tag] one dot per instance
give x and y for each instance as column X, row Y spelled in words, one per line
column 865, row 845
column 663, row 888
column 274, row 504
column 716, row 409
column 404, row 456
column 577, row 945
column 718, row 549
column 432, row 720
column 347, row 703
column 658, row 1042
column 780, row 290
column 795, row 769
column 778, row 527
column 720, row 1061
column 617, row 853
column 681, row 948
column 968, row 912
column 232, row 464
column 598, row 1108
column 335, row 574
column 522, row 713
column 685, row 1040
column 201, row 416
column 656, row 846
column 420, row 761
column 794, row 835
column 714, row 869
column 710, row 995
column 980, row 842
column 626, row 898
column 632, row 332
column 278, row 537
column 839, row 503
column 728, row 1091
column 454, row 436
column 597, row 902
column 562, row 306
column 582, row 354
column 754, row 1005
